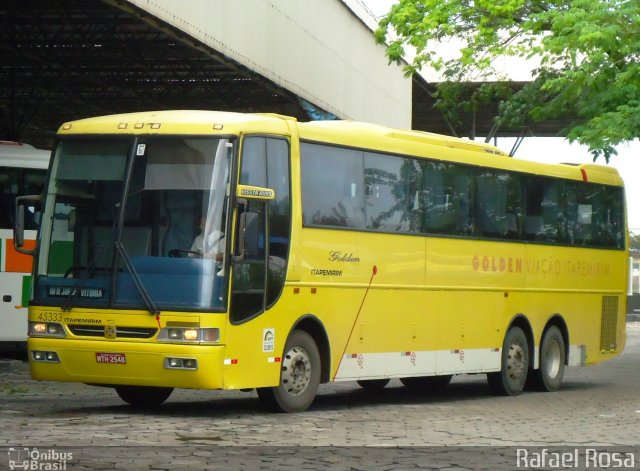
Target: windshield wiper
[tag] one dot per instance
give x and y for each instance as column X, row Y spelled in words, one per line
column 151, row 306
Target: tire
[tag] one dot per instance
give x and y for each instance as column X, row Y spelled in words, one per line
column 552, row 361
column 373, row 384
column 427, row 383
column 299, row 377
column 143, row 396
column 510, row 380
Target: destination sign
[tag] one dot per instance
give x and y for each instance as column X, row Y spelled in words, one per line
column 84, row 293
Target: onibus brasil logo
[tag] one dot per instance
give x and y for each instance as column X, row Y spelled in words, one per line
column 40, row 460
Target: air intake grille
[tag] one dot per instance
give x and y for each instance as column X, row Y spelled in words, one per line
column 121, row 332
column 608, row 324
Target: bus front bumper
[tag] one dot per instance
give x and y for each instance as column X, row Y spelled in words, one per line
column 135, row 364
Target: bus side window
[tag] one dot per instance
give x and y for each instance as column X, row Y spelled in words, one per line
column 546, row 211
column 389, row 192
column 495, row 218
column 613, row 218
column 579, row 215
column 332, row 186
column 17, row 182
column 6, row 209
column 447, row 190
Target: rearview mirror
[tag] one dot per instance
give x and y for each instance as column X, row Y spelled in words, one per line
column 29, row 201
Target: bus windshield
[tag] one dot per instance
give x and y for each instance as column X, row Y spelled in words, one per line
column 132, row 219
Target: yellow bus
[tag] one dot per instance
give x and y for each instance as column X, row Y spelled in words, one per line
column 212, row 250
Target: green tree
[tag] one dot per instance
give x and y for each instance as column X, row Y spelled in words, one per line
column 588, row 53
column 634, row 242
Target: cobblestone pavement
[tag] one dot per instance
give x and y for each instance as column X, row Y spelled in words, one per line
column 346, row 428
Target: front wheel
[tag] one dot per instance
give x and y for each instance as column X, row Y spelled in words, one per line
column 514, row 365
column 552, row 360
column 143, row 396
column 299, row 377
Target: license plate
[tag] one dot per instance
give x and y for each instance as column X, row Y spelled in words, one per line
column 115, row 358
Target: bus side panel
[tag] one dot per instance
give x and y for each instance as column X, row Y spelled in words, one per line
column 16, row 279
column 254, row 348
column 369, row 295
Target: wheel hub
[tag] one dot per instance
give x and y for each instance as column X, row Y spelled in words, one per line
column 296, row 371
column 552, row 359
column 516, row 363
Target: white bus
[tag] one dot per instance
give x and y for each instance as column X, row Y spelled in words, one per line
column 22, row 171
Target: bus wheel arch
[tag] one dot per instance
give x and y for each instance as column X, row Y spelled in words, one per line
column 314, row 327
column 299, row 375
column 305, row 363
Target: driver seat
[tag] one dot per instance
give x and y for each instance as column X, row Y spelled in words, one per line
column 183, row 213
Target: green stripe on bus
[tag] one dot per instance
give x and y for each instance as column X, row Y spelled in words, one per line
column 26, row 289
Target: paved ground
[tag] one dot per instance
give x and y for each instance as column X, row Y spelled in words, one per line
column 598, row 408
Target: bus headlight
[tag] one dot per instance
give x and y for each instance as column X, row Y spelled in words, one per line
column 46, row 329
column 189, row 335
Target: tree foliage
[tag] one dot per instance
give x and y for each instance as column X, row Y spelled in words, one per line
column 634, row 242
column 588, row 53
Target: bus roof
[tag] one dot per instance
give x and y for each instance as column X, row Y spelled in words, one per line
column 345, row 133
column 369, row 133
column 19, row 154
column 193, row 122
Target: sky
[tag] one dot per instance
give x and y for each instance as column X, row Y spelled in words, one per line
column 557, row 149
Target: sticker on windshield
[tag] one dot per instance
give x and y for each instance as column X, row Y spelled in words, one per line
column 268, row 340
column 141, row 148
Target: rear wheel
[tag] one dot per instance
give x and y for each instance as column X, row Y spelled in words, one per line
column 143, row 396
column 514, row 365
column 373, row 384
column 552, row 361
column 299, row 377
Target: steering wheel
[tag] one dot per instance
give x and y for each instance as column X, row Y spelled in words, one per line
column 181, row 253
